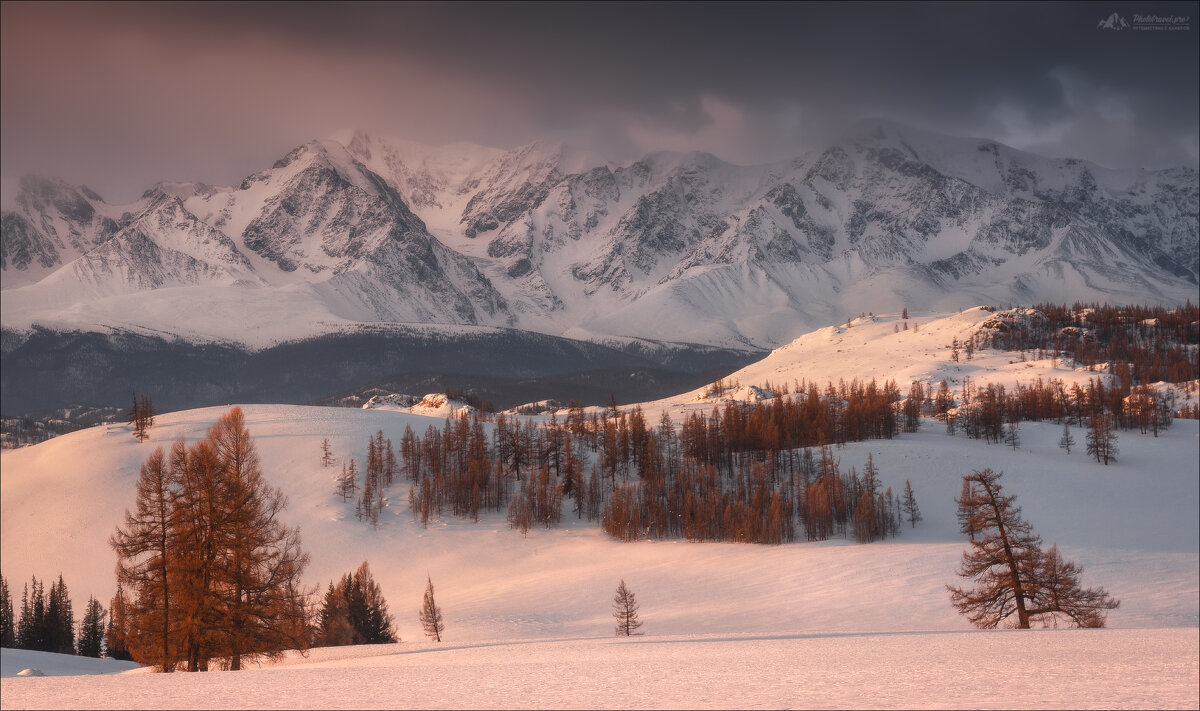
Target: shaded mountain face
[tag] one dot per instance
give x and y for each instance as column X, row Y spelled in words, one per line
column 675, row 247
column 52, row 224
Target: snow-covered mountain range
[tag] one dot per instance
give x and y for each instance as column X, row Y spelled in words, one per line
column 678, row 247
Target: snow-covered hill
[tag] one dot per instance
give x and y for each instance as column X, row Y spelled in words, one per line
column 63, row 497
column 677, row 247
column 87, row 477
column 514, row 603
column 887, row 347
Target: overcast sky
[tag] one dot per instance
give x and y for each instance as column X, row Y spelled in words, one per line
column 121, row 96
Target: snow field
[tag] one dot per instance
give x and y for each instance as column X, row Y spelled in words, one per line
column 1004, row 669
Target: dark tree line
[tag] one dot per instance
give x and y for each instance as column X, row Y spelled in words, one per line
column 46, row 621
column 744, row 473
column 1142, row 344
column 987, row 412
column 377, row 477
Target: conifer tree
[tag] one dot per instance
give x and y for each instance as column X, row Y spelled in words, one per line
column 966, row 509
column 91, row 629
column 911, row 510
column 375, row 626
column 31, row 628
column 1011, row 437
column 326, row 453
column 354, row 612
column 431, row 615
column 1067, row 440
column 625, row 610
column 8, row 626
column 60, row 620
column 25, row 633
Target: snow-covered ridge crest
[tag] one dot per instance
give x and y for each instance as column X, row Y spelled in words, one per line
column 431, row 404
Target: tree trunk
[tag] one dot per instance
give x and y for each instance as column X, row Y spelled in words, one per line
column 1010, row 561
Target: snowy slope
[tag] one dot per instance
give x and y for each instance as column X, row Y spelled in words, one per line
column 14, row 661
column 487, row 573
column 833, row 624
column 885, row 347
column 845, row 617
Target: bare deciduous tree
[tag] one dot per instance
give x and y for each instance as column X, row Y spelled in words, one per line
column 1014, row 577
column 625, row 610
column 431, row 614
column 1101, row 439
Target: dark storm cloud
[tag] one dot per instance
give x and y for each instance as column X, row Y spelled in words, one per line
column 122, row 95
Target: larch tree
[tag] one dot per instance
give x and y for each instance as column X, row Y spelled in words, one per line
column 347, row 482
column 333, row 620
column 1101, row 440
column 625, row 610
column 1016, row 582
column 116, row 644
column 211, row 570
column 197, row 516
column 431, row 615
column 141, row 416
column 143, row 547
column 260, row 595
